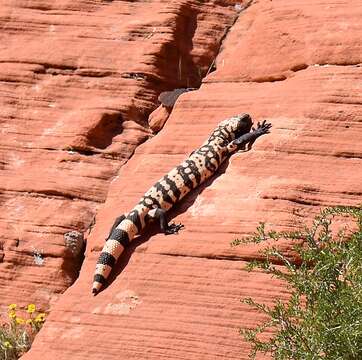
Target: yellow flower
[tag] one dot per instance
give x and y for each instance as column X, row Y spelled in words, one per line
column 31, row 308
column 12, row 314
column 12, row 307
column 20, row 320
column 29, row 321
column 7, row 344
column 40, row 318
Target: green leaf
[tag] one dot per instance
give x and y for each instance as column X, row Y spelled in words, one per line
column 323, row 317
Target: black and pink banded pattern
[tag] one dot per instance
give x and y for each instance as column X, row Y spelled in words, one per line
column 229, row 136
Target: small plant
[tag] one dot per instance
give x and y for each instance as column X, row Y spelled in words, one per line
column 17, row 334
column 323, row 317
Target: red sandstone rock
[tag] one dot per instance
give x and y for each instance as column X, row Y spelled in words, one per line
column 158, row 118
column 77, row 82
column 177, row 296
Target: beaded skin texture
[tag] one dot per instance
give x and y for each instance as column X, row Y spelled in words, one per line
column 229, row 136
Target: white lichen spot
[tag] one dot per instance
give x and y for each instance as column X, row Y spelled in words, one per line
column 52, row 105
column 52, row 28
column 238, row 7
column 117, row 309
column 38, row 256
column 125, row 301
column 128, row 296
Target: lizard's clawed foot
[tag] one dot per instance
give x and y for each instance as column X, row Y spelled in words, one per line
column 173, row 229
column 262, row 128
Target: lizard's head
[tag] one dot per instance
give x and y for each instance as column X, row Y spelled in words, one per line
column 239, row 125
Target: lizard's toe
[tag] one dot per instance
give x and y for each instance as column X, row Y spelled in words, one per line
column 173, row 228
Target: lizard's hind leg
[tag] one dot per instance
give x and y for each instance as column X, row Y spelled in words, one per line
column 118, row 220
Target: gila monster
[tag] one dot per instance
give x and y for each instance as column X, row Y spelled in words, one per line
column 229, row 136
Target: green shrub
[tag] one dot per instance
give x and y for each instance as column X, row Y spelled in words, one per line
column 17, row 334
column 323, row 317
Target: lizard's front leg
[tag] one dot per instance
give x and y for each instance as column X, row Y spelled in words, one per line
column 166, row 228
column 249, row 138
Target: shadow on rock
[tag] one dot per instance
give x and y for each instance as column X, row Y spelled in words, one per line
column 153, row 228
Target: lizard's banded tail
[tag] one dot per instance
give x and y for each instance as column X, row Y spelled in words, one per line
column 121, row 235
